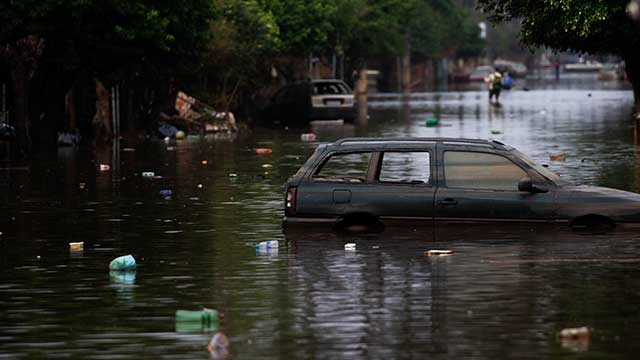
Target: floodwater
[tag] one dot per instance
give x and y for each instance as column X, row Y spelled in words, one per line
column 505, row 292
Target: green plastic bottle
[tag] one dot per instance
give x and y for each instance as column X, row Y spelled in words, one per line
column 205, row 318
column 431, row 122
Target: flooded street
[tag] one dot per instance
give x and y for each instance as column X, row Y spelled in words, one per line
column 506, row 292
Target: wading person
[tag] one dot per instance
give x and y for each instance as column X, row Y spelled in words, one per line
column 494, row 82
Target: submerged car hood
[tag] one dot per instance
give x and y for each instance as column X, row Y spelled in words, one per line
column 599, row 191
column 618, row 205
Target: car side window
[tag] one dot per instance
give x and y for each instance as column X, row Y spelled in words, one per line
column 481, row 171
column 405, row 167
column 344, row 167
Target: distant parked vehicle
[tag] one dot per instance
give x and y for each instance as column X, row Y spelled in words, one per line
column 516, row 69
column 588, row 66
column 305, row 101
column 382, row 181
column 480, row 73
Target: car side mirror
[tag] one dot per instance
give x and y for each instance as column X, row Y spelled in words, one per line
column 526, row 184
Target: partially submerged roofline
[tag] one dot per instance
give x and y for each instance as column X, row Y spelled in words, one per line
column 356, row 140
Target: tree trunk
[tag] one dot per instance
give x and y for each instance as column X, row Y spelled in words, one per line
column 20, row 91
column 102, row 117
column 406, row 65
column 632, row 67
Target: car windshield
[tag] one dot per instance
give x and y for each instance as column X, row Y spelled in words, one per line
column 330, row 88
column 542, row 170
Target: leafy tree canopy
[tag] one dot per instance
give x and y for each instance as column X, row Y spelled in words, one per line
column 599, row 26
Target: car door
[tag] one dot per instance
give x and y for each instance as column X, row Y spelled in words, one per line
column 477, row 185
column 400, row 188
column 329, row 190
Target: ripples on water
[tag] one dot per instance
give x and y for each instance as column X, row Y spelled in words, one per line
column 310, row 298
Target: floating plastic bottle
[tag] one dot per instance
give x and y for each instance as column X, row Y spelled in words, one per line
column 166, row 193
column 74, row 245
column 199, row 320
column 123, row 263
column 431, row 122
column 350, row 247
column 267, row 244
column 308, row 137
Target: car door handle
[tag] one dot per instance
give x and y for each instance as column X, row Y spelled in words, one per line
column 448, row 202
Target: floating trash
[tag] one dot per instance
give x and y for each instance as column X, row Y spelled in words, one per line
column 200, row 186
column 166, row 193
column 197, row 321
column 267, row 166
column 219, row 346
column 180, row 135
column 104, row 167
column 267, row 244
column 496, row 132
column 148, row 174
column 557, row 157
column 575, row 339
column 128, row 149
column 350, row 247
column 308, row 137
column 204, row 162
column 264, row 151
column 76, row 245
column 575, row 333
column 123, row 263
column 432, row 122
column 232, row 175
column 437, row 252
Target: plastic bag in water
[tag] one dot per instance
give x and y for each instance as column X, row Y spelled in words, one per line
column 123, row 263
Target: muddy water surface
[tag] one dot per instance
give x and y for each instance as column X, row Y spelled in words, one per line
column 504, row 293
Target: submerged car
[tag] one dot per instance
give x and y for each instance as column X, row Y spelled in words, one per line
column 386, row 181
column 302, row 102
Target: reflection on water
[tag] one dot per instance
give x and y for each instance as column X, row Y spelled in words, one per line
column 505, row 292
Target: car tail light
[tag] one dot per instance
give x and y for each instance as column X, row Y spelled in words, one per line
column 290, row 202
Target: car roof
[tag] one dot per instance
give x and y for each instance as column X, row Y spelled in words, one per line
column 351, row 143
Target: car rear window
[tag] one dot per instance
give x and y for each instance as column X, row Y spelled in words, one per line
column 345, row 167
column 481, row 171
column 330, row 88
column 405, row 167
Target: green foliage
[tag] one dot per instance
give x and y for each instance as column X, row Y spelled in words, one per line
column 580, row 25
column 107, row 29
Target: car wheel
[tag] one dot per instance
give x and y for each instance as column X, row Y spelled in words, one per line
column 359, row 223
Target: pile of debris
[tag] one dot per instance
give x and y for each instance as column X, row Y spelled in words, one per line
column 194, row 116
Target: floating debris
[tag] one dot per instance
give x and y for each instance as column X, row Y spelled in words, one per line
column 575, row 339
column 432, row 122
column 557, row 157
column 104, row 167
column 438, row 252
column 76, row 245
column 263, row 151
column 308, row 137
column 123, row 263
column 350, row 247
